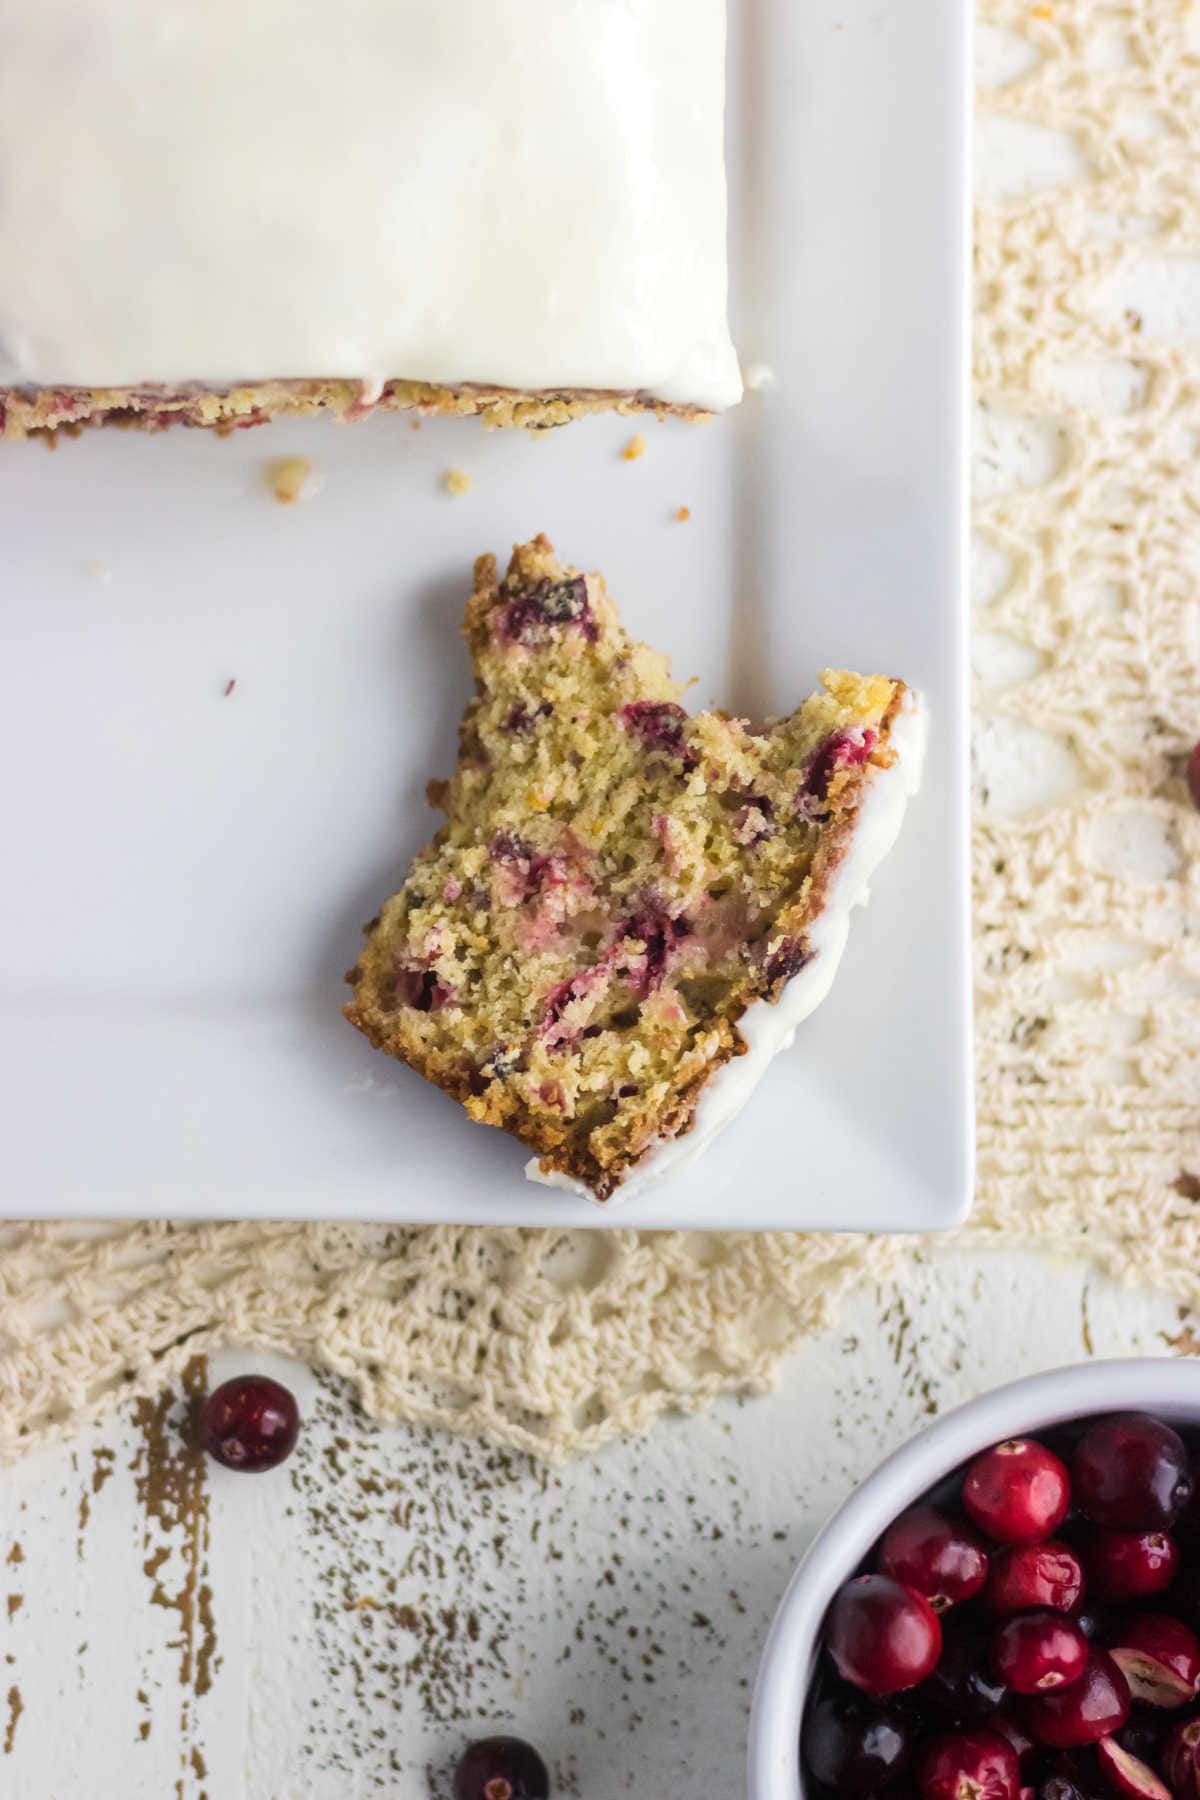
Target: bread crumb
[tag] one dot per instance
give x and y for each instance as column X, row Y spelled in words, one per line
column 456, row 481
column 230, row 685
column 634, row 448
column 99, row 571
column 414, row 424
column 288, row 477
column 683, row 515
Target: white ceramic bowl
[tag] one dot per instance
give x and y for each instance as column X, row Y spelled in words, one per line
column 1162, row 1385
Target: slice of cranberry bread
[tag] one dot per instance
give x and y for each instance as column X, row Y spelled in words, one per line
column 574, row 954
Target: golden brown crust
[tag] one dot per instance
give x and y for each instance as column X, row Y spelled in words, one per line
column 28, row 412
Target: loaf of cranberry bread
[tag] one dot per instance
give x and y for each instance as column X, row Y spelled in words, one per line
column 213, row 214
column 629, row 908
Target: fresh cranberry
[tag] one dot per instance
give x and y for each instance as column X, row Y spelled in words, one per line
column 1131, row 1473
column 1145, row 1735
column 1094, row 1622
column 969, row 1765
column 1127, row 1774
column 963, row 1688
column 852, row 1747
column 1009, row 1723
column 250, row 1423
column 1181, row 1760
column 1159, row 1658
column 1018, row 1492
column 941, row 1558
column 501, row 1768
column 1193, row 776
column 882, row 1636
column 1062, row 1787
column 1029, row 1576
column 1036, row 1651
column 1184, row 1599
column 1129, row 1565
column 1088, row 1709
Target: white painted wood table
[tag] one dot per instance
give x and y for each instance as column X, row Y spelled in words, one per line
column 335, row 1629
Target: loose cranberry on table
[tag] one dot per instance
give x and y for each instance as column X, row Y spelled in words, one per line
column 1131, row 1473
column 1159, row 1657
column 1036, row 1651
column 250, row 1423
column 941, row 1557
column 1094, row 1706
column 969, row 1765
column 883, row 1637
column 501, row 1768
column 1129, row 1565
column 1028, row 1576
column 1018, row 1492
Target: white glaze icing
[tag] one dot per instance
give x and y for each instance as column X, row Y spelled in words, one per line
column 520, row 193
column 768, row 1029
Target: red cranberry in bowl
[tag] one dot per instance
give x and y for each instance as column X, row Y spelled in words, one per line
column 1068, row 1775
column 963, row 1688
column 1129, row 1565
column 942, row 1558
column 1094, row 1622
column 1018, row 1492
column 853, row 1747
column 1126, row 1774
column 1094, row 1706
column 969, row 1765
column 1036, row 1651
column 1145, row 1735
column 1131, row 1473
column 1028, row 1576
column 883, row 1637
column 1184, row 1598
column 1009, row 1723
column 1159, row 1658
column 1181, row 1760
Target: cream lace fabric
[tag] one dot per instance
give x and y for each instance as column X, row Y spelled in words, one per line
column 1087, row 883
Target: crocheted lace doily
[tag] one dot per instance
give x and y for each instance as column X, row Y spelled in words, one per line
column 1087, row 879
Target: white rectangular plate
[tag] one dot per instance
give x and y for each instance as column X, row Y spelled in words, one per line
column 186, row 872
